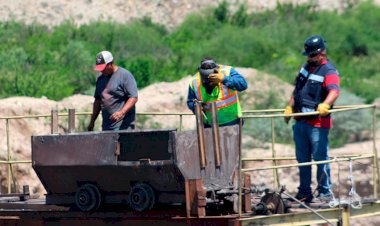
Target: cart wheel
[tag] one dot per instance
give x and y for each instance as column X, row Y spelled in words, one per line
column 88, row 198
column 141, row 197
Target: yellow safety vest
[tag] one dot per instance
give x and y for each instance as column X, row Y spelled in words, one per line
column 226, row 99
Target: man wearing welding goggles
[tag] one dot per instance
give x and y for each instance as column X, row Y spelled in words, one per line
column 220, row 84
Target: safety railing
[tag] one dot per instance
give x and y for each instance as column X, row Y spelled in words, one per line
column 272, row 114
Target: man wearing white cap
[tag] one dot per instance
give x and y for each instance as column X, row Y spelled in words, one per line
column 115, row 95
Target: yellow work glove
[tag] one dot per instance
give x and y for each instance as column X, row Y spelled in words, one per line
column 323, row 109
column 216, row 78
column 288, row 111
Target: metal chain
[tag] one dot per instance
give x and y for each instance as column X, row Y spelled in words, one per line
column 354, row 199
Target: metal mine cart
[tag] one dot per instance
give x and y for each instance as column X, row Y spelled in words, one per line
column 140, row 168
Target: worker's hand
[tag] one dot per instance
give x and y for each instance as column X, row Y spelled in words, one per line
column 117, row 116
column 323, row 109
column 216, row 78
column 288, row 111
column 90, row 126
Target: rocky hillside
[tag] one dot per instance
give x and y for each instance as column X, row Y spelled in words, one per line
column 167, row 12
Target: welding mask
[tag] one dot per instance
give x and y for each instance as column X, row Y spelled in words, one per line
column 206, row 68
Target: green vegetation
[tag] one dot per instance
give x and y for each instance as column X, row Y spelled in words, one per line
column 58, row 62
column 39, row 61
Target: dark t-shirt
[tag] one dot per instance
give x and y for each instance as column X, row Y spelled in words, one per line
column 113, row 92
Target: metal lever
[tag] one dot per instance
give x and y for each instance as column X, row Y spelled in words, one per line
column 200, row 133
column 215, row 134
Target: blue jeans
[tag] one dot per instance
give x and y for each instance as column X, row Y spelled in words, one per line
column 312, row 143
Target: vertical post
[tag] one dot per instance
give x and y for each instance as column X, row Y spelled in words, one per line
column 71, row 121
column 240, row 165
column 247, row 195
column 8, row 156
column 215, row 134
column 11, row 178
column 195, row 198
column 376, row 179
column 180, row 122
column 346, row 215
column 200, row 132
column 275, row 171
column 54, row 122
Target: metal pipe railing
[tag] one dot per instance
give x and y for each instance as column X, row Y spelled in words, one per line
column 292, row 158
column 375, row 159
column 308, row 163
column 336, row 109
column 276, row 180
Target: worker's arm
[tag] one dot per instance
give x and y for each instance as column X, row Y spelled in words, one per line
column 289, row 109
column 95, row 112
column 190, row 99
column 235, row 81
column 331, row 97
column 119, row 115
column 291, row 101
column 332, row 83
column 325, row 106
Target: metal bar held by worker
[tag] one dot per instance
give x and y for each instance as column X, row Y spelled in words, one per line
column 215, row 134
column 200, row 133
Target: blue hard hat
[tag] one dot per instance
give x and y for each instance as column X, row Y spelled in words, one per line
column 314, row 45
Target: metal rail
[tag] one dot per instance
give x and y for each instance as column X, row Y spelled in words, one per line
column 336, row 213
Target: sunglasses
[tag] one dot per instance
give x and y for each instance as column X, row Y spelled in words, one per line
column 313, row 55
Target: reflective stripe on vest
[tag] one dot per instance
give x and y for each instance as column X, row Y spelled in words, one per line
column 222, row 103
column 225, row 99
column 317, row 78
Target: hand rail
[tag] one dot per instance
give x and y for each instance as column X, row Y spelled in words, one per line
column 275, row 167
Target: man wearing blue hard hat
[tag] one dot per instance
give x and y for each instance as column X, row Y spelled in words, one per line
column 316, row 89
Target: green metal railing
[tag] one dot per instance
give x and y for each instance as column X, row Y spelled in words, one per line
column 273, row 113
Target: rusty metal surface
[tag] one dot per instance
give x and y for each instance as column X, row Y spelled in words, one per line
column 187, row 156
column 89, row 149
column 36, row 213
column 65, row 162
column 119, row 222
column 215, row 134
column 110, row 180
column 200, row 134
column 153, row 145
column 163, row 159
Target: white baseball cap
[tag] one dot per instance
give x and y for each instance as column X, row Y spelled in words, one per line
column 102, row 59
